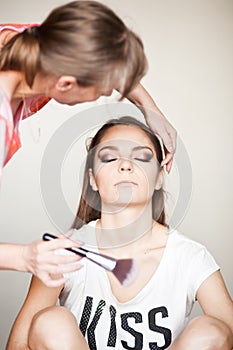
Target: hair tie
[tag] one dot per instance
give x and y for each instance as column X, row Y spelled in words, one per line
column 33, row 31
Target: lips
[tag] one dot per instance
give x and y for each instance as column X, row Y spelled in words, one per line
column 126, row 183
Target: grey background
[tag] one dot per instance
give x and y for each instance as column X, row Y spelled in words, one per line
column 190, row 53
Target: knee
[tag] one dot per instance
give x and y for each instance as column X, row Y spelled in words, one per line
column 205, row 332
column 51, row 328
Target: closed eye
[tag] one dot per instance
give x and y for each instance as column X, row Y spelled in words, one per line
column 144, row 156
column 143, row 160
column 107, row 157
column 108, row 160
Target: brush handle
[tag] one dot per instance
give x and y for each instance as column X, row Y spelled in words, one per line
column 102, row 260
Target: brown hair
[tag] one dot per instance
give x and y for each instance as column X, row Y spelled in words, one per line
column 84, row 39
column 89, row 208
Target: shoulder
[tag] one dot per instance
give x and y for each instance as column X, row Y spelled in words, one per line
column 86, row 235
column 181, row 241
column 175, row 239
column 188, row 250
column 192, row 257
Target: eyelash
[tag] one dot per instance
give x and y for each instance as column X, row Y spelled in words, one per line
column 143, row 160
column 108, row 160
column 114, row 159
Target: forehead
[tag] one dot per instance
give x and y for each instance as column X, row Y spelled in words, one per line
column 126, row 134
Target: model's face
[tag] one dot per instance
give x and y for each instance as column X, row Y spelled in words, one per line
column 126, row 170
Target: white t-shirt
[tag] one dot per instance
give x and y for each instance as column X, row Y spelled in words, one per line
column 156, row 316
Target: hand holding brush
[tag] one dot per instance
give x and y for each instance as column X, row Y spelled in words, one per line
column 123, row 269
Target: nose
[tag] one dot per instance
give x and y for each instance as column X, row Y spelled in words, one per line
column 125, row 165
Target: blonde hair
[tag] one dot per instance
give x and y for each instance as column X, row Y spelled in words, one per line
column 84, row 39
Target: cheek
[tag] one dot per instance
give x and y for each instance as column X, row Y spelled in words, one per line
column 105, row 187
column 103, row 177
column 148, row 174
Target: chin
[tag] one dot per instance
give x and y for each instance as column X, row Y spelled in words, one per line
column 62, row 102
column 73, row 103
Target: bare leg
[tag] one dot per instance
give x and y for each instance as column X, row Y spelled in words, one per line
column 204, row 333
column 55, row 328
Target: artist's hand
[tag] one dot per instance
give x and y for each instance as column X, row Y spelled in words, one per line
column 156, row 121
column 41, row 259
column 161, row 126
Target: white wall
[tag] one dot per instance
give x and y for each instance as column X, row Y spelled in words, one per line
column 190, row 54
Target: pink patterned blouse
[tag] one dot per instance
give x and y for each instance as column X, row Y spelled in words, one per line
column 9, row 123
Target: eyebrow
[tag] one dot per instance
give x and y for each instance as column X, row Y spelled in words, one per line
column 114, row 148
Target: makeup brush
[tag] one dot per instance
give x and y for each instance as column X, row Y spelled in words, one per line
column 123, row 269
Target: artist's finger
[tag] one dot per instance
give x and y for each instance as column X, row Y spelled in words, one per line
column 68, row 235
column 57, row 270
column 61, row 269
column 60, row 259
column 57, row 244
column 167, row 162
column 55, row 283
column 169, row 140
column 69, row 268
column 43, row 261
column 169, row 165
column 49, row 282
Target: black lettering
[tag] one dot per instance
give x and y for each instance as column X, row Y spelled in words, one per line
column 113, row 331
column 92, row 327
column 86, row 315
column 86, row 318
column 138, row 336
column 154, row 327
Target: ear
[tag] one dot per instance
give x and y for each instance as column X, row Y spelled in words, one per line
column 159, row 181
column 66, row 83
column 92, row 180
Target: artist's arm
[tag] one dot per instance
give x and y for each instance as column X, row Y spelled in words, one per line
column 215, row 301
column 38, row 298
column 2, row 144
column 156, row 120
column 40, row 259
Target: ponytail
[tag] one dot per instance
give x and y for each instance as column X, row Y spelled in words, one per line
column 22, row 53
column 84, row 39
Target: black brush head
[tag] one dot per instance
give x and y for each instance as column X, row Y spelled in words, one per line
column 125, row 271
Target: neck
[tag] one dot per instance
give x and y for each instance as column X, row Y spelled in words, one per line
column 16, row 88
column 10, row 82
column 124, row 226
column 14, row 85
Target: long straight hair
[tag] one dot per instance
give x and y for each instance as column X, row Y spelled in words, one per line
column 89, row 207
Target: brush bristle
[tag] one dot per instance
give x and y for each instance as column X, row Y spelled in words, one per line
column 125, row 271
